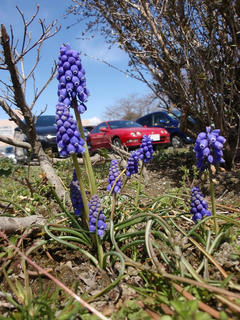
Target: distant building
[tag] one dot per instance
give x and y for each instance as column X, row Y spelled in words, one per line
column 7, row 128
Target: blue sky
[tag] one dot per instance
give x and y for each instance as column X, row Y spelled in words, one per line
column 105, row 84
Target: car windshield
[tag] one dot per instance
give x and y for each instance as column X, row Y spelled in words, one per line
column 123, row 124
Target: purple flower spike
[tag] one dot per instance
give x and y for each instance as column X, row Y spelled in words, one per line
column 114, row 172
column 96, row 217
column 133, row 162
column 208, row 148
column 146, row 149
column 199, row 206
column 68, row 137
column 71, row 77
column 75, row 195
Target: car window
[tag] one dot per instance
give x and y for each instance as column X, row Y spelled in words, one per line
column 97, row 128
column 146, row 120
column 160, row 118
column 9, row 150
column 123, row 124
column 46, row 121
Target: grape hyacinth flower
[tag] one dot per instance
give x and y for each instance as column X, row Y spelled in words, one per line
column 208, row 148
column 199, row 206
column 113, row 174
column 75, row 195
column 146, row 149
column 133, row 162
column 68, row 137
column 96, row 217
column 71, row 77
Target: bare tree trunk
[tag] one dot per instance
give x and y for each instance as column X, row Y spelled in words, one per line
column 29, row 126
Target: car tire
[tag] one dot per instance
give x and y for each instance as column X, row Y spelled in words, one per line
column 176, row 141
column 117, row 142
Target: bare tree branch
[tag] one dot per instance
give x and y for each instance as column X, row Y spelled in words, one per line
column 14, row 142
column 17, row 87
column 190, row 49
column 18, row 224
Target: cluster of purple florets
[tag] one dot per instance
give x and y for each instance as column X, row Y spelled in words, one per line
column 199, row 206
column 68, row 137
column 144, row 153
column 96, row 217
column 71, row 77
column 75, row 195
column 114, row 172
column 132, row 165
column 146, row 149
column 208, row 148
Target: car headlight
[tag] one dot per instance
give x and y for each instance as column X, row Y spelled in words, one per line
column 163, row 131
column 135, row 134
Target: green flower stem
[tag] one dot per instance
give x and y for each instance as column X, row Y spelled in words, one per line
column 114, row 199
column 139, row 184
column 86, row 156
column 216, row 228
column 83, row 192
column 100, row 252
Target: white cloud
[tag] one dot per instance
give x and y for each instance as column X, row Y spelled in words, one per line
column 91, row 121
column 98, row 49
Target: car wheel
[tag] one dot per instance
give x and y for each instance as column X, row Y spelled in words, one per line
column 117, row 142
column 176, row 142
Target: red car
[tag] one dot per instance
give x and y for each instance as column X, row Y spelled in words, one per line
column 125, row 133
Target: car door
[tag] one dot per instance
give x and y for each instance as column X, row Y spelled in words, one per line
column 99, row 138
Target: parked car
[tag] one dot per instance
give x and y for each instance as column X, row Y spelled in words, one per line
column 125, row 133
column 46, row 131
column 10, row 153
column 168, row 121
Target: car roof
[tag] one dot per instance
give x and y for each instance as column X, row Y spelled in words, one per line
column 155, row 112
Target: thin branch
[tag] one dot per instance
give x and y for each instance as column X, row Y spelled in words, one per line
column 36, row 62
column 14, row 142
column 26, row 24
column 12, row 114
column 36, row 96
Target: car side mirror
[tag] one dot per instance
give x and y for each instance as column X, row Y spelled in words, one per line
column 103, row 129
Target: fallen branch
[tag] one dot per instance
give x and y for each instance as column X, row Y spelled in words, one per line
column 10, row 225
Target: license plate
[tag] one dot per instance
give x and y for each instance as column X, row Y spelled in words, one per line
column 155, row 137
